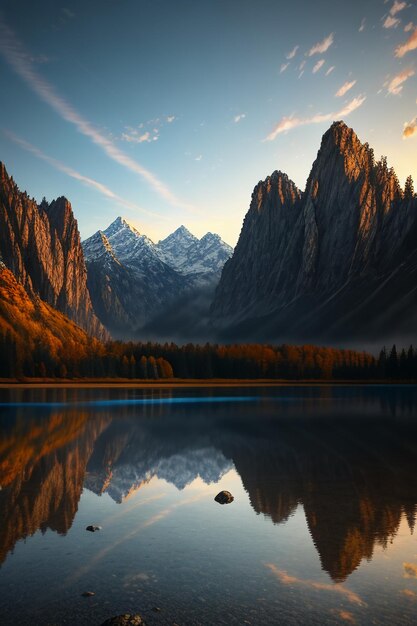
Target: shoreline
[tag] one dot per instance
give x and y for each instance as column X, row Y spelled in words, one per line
column 187, row 383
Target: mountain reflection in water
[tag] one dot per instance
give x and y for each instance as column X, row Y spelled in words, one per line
column 349, row 461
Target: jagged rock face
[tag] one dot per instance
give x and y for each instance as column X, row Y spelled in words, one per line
column 312, row 265
column 41, row 245
column 132, row 280
column 267, row 232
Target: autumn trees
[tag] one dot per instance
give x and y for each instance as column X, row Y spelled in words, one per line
column 154, row 361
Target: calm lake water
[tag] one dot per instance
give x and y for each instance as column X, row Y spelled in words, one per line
column 320, row 531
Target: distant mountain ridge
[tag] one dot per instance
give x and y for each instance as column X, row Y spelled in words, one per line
column 335, row 262
column 132, row 280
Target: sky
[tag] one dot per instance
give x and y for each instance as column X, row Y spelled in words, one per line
column 169, row 112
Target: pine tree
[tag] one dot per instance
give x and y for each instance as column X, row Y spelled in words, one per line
column 409, row 188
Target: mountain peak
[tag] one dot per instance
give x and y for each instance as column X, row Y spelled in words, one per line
column 342, row 135
column 211, row 237
column 120, row 224
column 181, row 233
column 3, row 172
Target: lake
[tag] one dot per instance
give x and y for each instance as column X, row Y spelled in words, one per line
column 321, row 529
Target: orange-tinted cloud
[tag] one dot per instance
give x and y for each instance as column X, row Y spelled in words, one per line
column 410, row 128
column 322, row 46
column 345, row 88
column 346, row 616
column 407, row 46
column 395, row 85
column 287, row 579
column 391, row 22
column 408, row 593
column 410, row 570
column 288, row 123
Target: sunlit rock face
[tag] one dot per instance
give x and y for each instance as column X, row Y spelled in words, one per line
column 336, row 261
column 41, row 245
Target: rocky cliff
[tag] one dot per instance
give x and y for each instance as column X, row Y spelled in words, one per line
column 338, row 261
column 41, row 245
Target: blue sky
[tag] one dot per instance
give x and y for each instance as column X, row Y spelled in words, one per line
column 169, row 112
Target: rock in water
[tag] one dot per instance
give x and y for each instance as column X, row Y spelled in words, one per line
column 88, row 594
column 93, row 529
column 125, row 620
column 224, row 497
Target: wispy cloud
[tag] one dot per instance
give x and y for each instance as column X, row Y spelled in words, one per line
column 198, row 158
column 362, row 26
column 410, row 44
column 287, row 579
column 134, row 137
column 171, row 118
column 288, row 123
column 391, row 22
column 65, row 169
column 239, row 118
column 67, row 13
column 395, row 85
column 318, row 66
column 410, row 128
column 397, row 7
column 322, row 46
column 408, row 27
column 345, row 88
column 330, row 70
column 283, row 67
column 15, row 55
column 292, row 54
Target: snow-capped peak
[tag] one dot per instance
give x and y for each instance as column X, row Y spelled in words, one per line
column 97, row 246
column 120, row 224
column 129, row 245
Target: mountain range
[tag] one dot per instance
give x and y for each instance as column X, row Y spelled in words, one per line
column 132, row 280
column 336, row 262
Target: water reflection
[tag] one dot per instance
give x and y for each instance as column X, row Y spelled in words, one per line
column 323, row 449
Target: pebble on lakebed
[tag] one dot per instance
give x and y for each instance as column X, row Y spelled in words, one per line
column 125, row 620
column 93, row 529
column 224, row 497
column 88, row 594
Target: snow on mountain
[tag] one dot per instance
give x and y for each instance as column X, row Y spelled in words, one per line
column 132, row 280
column 97, row 247
column 190, row 256
column 129, row 475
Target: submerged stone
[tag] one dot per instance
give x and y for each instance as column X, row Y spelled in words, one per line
column 125, row 620
column 224, row 497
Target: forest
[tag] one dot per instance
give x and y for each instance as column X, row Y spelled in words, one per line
column 155, row 361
